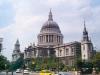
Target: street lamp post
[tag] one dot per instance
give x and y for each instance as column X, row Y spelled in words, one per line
column 12, row 69
column 12, row 72
column 6, row 69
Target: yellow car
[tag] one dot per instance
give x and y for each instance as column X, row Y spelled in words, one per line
column 46, row 72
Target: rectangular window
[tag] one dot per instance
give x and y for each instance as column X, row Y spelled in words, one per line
column 72, row 50
column 67, row 51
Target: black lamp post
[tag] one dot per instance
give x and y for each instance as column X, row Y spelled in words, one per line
column 12, row 73
column 12, row 68
column 6, row 69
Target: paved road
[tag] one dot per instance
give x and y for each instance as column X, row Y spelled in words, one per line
column 3, row 73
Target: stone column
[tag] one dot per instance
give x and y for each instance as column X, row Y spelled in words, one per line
column 49, row 38
column 60, row 39
column 42, row 38
column 54, row 38
column 57, row 39
column 39, row 39
column 45, row 38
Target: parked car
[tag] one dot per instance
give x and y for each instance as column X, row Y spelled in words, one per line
column 18, row 71
column 64, row 73
column 26, row 72
column 46, row 72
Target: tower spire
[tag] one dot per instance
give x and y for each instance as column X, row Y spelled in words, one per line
column 16, row 51
column 84, row 27
column 85, row 30
column 50, row 16
column 85, row 33
column 17, row 45
column 86, row 46
column 17, row 42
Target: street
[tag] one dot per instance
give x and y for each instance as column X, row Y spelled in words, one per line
column 3, row 73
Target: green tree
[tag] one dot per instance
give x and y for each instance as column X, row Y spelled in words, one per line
column 4, row 63
column 49, row 63
column 17, row 64
column 96, row 61
column 79, row 65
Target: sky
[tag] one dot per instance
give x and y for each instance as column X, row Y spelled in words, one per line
column 23, row 19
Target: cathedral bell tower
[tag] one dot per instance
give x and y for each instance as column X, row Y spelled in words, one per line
column 86, row 46
column 16, row 51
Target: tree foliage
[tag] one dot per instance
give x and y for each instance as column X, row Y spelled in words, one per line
column 96, row 61
column 4, row 63
column 17, row 64
column 50, row 63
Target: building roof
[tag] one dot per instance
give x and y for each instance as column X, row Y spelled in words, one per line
column 50, row 25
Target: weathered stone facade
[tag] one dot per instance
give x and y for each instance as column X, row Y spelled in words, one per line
column 50, row 43
column 86, row 46
column 16, row 52
column 50, row 34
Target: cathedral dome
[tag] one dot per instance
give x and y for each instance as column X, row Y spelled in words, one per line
column 50, row 25
column 50, row 34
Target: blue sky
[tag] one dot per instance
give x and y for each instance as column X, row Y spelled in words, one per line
column 6, row 13
column 95, row 2
column 23, row 19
